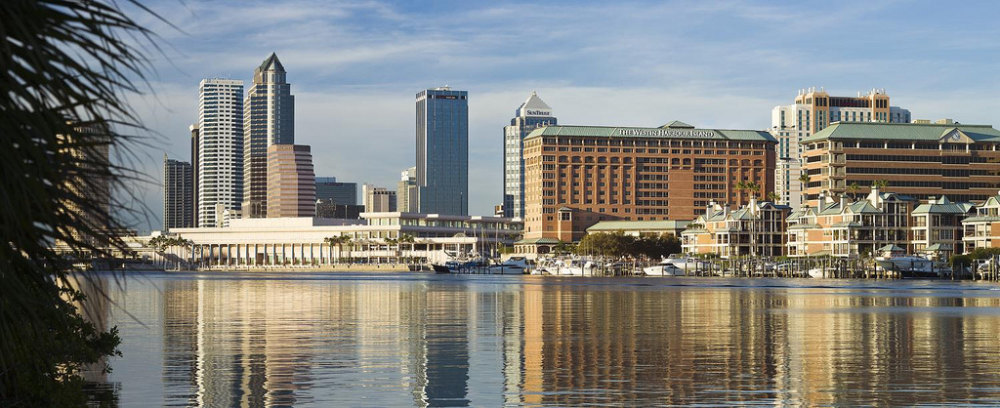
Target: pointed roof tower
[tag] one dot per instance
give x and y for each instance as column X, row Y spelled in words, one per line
column 271, row 64
column 534, row 106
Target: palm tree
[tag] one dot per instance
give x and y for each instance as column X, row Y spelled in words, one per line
column 773, row 197
column 338, row 241
column 68, row 67
column 853, row 190
column 804, row 179
column 408, row 239
column 880, row 184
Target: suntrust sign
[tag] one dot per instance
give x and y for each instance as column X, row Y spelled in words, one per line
column 666, row 132
column 530, row 112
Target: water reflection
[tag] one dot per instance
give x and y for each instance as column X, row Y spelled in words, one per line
column 402, row 340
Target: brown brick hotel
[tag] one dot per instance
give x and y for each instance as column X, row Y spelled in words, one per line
column 576, row 176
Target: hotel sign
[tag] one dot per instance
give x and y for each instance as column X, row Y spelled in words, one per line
column 666, row 132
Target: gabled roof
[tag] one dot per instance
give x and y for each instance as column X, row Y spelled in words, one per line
column 902, row 132
column 271, row 64
column 676, row 124
column 943, row 206
column 890, row 248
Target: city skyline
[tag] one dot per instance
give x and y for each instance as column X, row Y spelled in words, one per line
column 350, row 83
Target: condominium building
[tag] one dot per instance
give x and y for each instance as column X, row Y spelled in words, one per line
column 982, row 228
column 378, row 199
column 532, row 114
column 220, row 147
column 443, row 151
column 178, row 194
column 844, row 228
column 576, row 176
column 813, row 111
column 918, row 160
column 756, row 229
column 936, row 227
column 291, row 182
column 406, row 191
column 268, row 119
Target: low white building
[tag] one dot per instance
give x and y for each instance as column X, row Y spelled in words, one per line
column 375, row 238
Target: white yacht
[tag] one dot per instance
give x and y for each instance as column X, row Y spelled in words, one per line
column 664, row 268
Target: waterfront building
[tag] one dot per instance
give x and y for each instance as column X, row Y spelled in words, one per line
column 328, row 188
column 195, row 141
column 291, row 182
column 982, row 228
column 378, row 199
column 813, row 111
column 918, row 160
column 94, row 158
column 639, row 228
column 329, row 208
column 220, row 148
column 936, row 227
column 577, row 176
column 532, row 114
column 842, row 228
column 756, row 229
column 406, row 191
column 302, row 241
column 442, row 151
column 268, row 119
column 178, row 194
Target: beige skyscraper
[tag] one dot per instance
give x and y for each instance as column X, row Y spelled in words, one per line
column 378, row 199
column 406, row 191
column 291, row 182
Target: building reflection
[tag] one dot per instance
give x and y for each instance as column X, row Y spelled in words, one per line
column 270, row 342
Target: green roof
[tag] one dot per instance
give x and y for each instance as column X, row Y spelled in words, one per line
column 536, row 241
column 672, row 130
column 638, row 225
column 903, row 131
column 981, row 218
column 943, row 206
column 890, row 248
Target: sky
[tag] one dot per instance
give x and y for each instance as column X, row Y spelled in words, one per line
column 355, row 67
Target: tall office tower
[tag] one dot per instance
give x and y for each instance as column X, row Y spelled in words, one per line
column 406, row 191
column 95, row 159
column 343, row 193
column 291, row 182
column 532, row 114
column 813, row 111
column 194, row 173
column 178, row 194
column 378, row 199
column 443, row 151
column 220, row 148
column 268, row 119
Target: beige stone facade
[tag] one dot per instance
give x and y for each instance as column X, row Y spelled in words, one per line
column 291, row 182
column 982, row 228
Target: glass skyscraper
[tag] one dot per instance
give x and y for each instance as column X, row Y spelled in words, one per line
column 443, row 151
column 532, row 114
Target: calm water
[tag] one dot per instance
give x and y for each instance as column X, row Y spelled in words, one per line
column 220, row 340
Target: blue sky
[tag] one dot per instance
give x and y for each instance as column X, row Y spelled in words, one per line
column 355, row 67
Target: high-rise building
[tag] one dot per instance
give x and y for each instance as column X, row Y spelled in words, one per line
column 291, row 182
column 918, row 160
column 378, row 199
column 268, row 119
column 328, row 188
column 220, row 148
column 813, row 111
column 195, row 139
column 576, row 176
column 178, row 194
column 406, row 191
column 443, row 151
column 532, row 114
